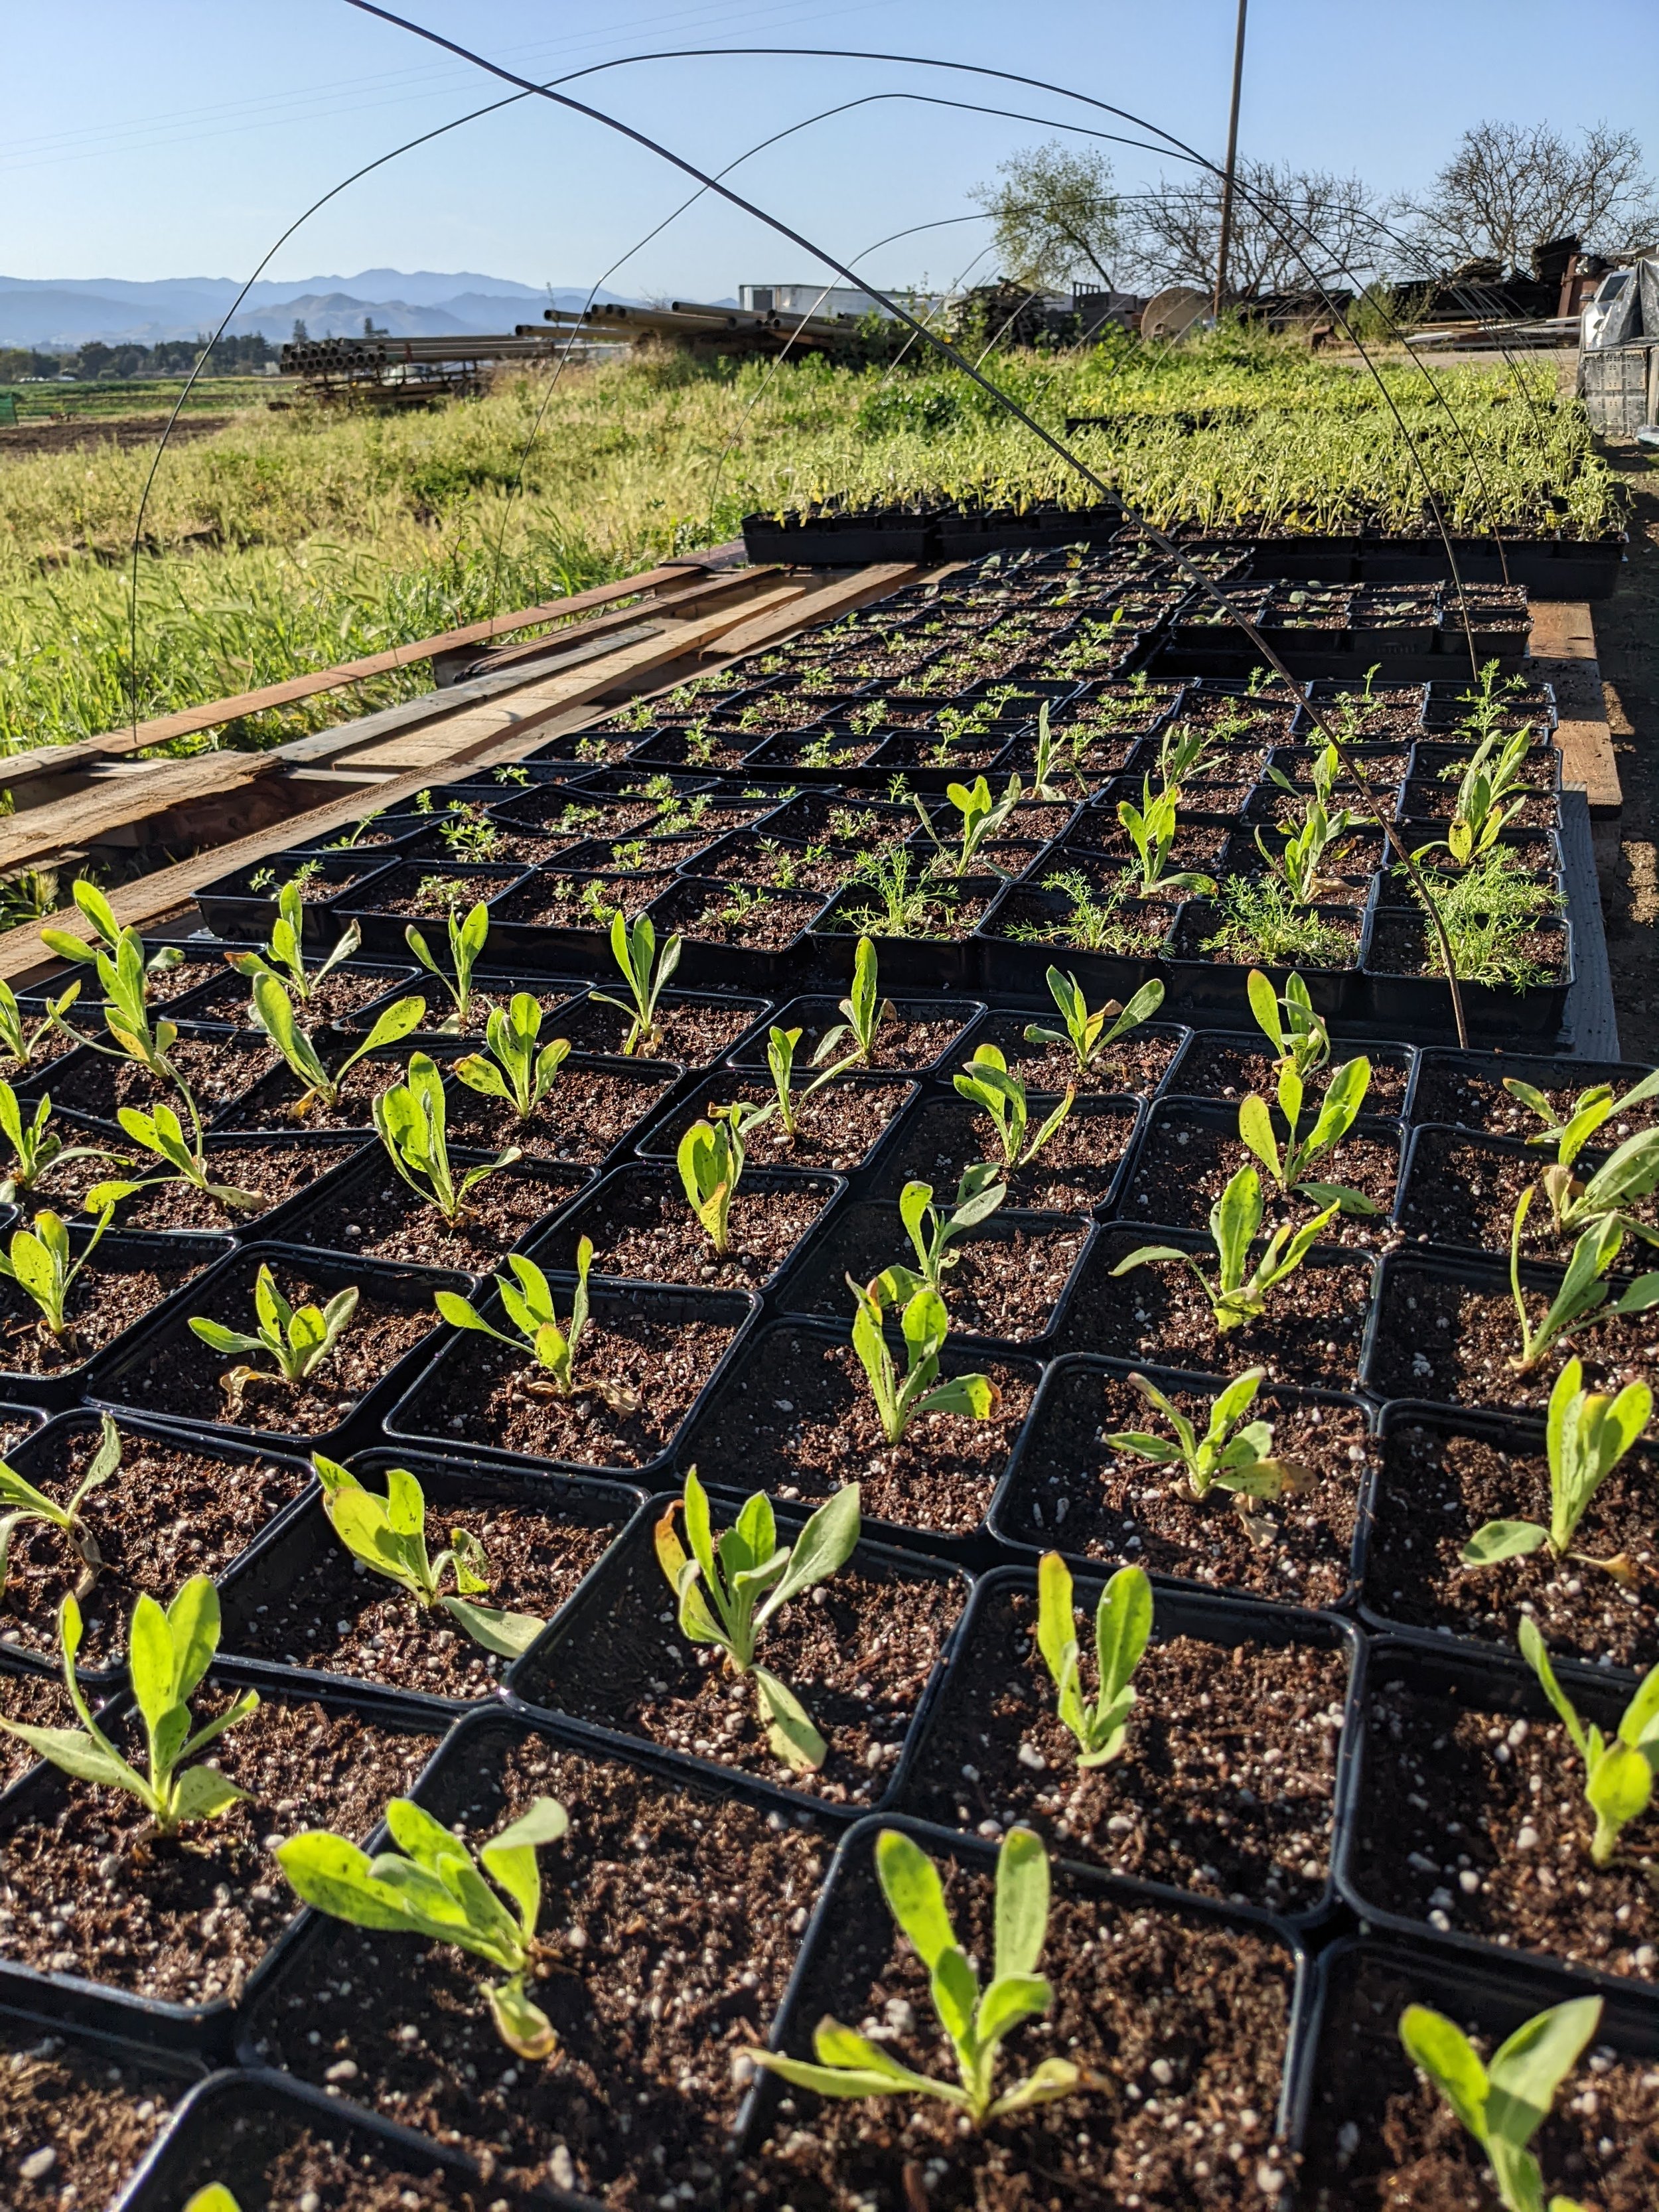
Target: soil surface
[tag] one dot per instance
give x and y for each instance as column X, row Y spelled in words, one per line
column 168, row 1513
column 38, row 1701
column 909, row 1047
column 1073, row 1173
column 1311, row 1333
column 87, row 1889
column 547, row 901
column 770, row 863
column 837, row 1128
column 1475, row 1097
column 1216, row 1067
column 589, row 1113
column 217, row 1069
column 270, row 2164
column 1007, row 1278
column 695, row 1032
column 1074, row 1490
column 1475, row 1820
column 273, row 1171
column 1135, row 1066
column 95, row 2114
column 857, row 1651
column 105, row 1300
column 799, row 1421
column 1225, row 1785
column 343, row 991
column 1184, row 1165
column 671, row 1923
column 280, row 1100
column 642, row 1228
column 76, row 431
column 376, row 1212
column 427, row 893
column 1464, row 1192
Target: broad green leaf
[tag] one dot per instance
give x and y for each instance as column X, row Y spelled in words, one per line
column 915, row 1897
column 1123, row 1624
column 823, row 1546
column 1527, row 2069
column 1022, row 1903
column 1054, row 2078
column 1010, row 1999
column 789, row 1725
column 75, row 1752
column 509, row 1635
column 202, row 1793
column 1503, row 1540
column 1256, row 1130
column 151, row 1660
column 1447, row 2057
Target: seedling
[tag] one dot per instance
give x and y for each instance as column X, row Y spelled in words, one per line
column 167, row 1655
column 1049, row 751
column 27, row 1503
column 986, row 1082
column 644, row 973
column 1618, row 1775
column 1491, row 774
column 864, row 1012
column 432, row 1887
column 412, row 1119
column 903, row 908
column 1094, row 921
column 781, row 1065
column 1582, row 1297
column 108, row 937
column 1504, row 2105
column 1260, row 921
column 39, row 1259
column 1152, row 829
column 1235, row 1296
column 466, row 943
column 527, row 1302
column 126, row 1014
column 1290, row 1168
column 36, row 1146
column 1232, row 1454
column 470, row 835
column 352, row 839
column 1631, row 1173
column 282, row 957
column 1185, row 750
column 728, row 1589
column 323, row 1087
column 161, row 1134
column 1289, row 1025
column 264, row 880
column 298, row 1340
column 16, row 1042
column 1123, row 1622
column 215, row 2197
column 518, row 1067
column 927, row 1327
column 1589, row 1111
column 1313, row 845
column 977, row 2022
column 931, row 1229
column 1085, row 1034
column 710, row 1160
column 388, row 1534
column 1586, row 1435
column 983, row 818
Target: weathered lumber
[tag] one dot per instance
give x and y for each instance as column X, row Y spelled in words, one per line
column 1563, row 654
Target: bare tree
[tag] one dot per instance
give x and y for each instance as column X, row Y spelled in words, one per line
column 1511, row 186
column 1057, row 217
column 1288, row 227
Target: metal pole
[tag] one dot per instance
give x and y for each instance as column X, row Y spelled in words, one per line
column 1232, row 159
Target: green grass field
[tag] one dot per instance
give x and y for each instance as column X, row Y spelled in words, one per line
column 149, row 395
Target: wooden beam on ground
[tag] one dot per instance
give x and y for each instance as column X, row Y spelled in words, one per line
column 1563, row 655
column 88, row 817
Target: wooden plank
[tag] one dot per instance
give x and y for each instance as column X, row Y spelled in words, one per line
column 86, row 816
column 1563, row 655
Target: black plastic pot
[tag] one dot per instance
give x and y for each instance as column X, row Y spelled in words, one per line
column 1403, row 1004
column 384, row 932
column 1188, row 1078
column 120, row 1379
column 554, row 1248
column 225, row 999
column 661, row 1140
column 1533, row 853
column 231, row 908
column 1217, row 988
column 961, row 1130
column 1434, row 1067
column 176, row 1257
column 1178, row 1120
column 815, row 1016
column 711, row 962
column 1444, row 714
column 907, row 964
column 324, row 1221
column 814, row 759
column 1015, row 969
column 523, row 944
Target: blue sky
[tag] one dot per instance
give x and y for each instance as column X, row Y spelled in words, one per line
column 178, row 138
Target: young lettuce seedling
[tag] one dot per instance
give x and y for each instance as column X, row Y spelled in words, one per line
column 282, row 957
column 528, row 1304
column 1312, row 845
column 1289, row 1025
column 1236, row 1296
column 1344, row 1094
column 167, row 1655
column 646, row 975
column 28, row 1503
column 466, row 943
column 1590, row 1110
column 108, row 937
column 388, row 1534
column 299, row 1340
column 1631, row 1173
column 1504, row 2105
column 1152, row 829
column 931, row 1229
column 1491, row 776
column 977, row 2021
column 19, row 1043
column 863, row 1013
column 728, row 1588
column 39, row 1259
column 1587, row 1434
column 1618, row 1775
column 927, row 1328
column 986, row 1082
column 431, row 1887
column 36, row 1146
column 1123, row 1622
column 276, row 1011
column 1086, row 1035
column 981, row 818
column 1582, row 1297
column 411, row 1119
column 1227, row 1456
column 161, row 1134
column 781, row 1065
column 710, row 1160
column 518, row 1069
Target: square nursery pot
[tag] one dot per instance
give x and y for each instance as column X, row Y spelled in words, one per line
column 949, row 958
column 1315, row 1333
column 1534, row 853
column 232, row 908
column 759, row 862
column 1443, row 1475
column 918, row 1036
column 593, row 1117
column 669, row 1346
column 865, row 1657
column 723, row 946
column 284, row 1167
column 1446, row 715
column 1467, row 1089
column 296, row 1604
column 794, row 1417
column 720, row 750
column 1015, row 959
column 81, row 2096
column 816, row 759
column 227, row 999
column 309, row 1757
column 826, row 817
column 1401, row 996
column 1226, row 1064
column 161, row 1368
column 1009, row 1283
column 1138, row 1066
column 643, row 1231
column 1190, row 1150
column 846, row 1128
column 1137, row 1972
column 181, row 1504
column 1081, row 1169
column 1066, row 1490
column 1386, row 711
column 698, row 1027
column 384, row 907
column 1260, row 1827
column 1365, row 2116
column 368, row 1211
column 1217, row 986
column 1448, row 1837
column 249, row 2129
column 219, row 1065
column 1461, row 1188
column 131, row 1282
column 658, row 1855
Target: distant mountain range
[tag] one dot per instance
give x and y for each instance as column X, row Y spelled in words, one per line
column 60, row 313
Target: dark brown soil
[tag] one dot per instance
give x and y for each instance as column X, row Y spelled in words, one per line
column 1157, row 1315
column 1438, row 1488
column 37, row 1701
column 1381, row 2139
column 45, row 1046
column 343, row 991
column 799, row 1422
column 1184, row 1166
column 275, row 1171
column 818, row 815
column 337, row 1618
column 1472, row 1093
column 1464, row 1192
column 641, row 1227
column 98, row 2116
column 764, row 921
column 1135, row 1066
column 1454, row 1342
column 555, row 901
column 378, row 1214
column 963, row 756
column 768, row 863
column 72, row 432
column 1183, row 2022
column 1428, row 799
column 672, row 1922
column 1400, row 946
column 1215, row 1068
column 188, row 1919
column 1197, row 845
column 948, row 911
column 707, row 750
column 569, row 819
column 837, row 1129
column 1006, row 1282
column 1478, row 1819
column 1071, row 1490
column 275, row 1101
column 181, row 1376
column 1266, row 725
column 105, row 1299
column 1073, row 1172
column 695, row 1032
column 665, row 1361
column 1225, row 1785
column 270, row 2164
column 857, row 1651
column 169, row 1513
column 909, row 1047
column 216, row 1070
column 587, row 1114
column 426, row 892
